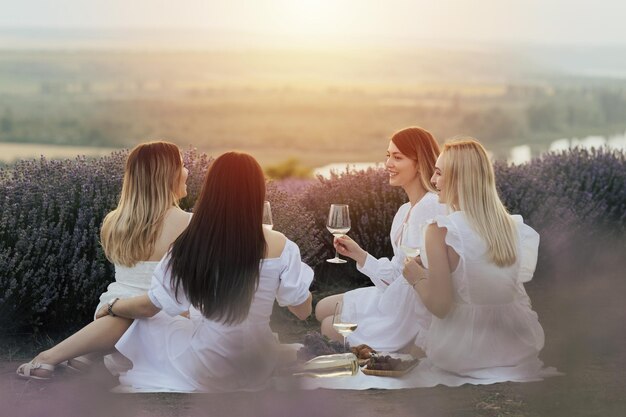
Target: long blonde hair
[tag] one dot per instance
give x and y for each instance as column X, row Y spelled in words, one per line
column 470, row 186
column 419, row 145
column 129, row 233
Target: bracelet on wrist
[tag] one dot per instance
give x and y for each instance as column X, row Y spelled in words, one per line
column 110, row 307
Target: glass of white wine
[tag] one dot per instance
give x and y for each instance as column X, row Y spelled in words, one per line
column 344, row 320
column 268, row 223
column 338, row 224
column 409, row 249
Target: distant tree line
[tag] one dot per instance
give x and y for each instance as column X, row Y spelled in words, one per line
column 517, row 115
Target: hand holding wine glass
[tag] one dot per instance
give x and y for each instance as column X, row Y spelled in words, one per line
column 409, row 249
column 338, row 224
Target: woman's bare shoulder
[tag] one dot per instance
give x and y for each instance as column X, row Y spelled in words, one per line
column 177, row 218
column 276, row 242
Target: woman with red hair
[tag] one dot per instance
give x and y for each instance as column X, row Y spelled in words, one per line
column 389, row 315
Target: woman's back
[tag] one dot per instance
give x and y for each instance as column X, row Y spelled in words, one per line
column 175, row 221
column 491, row 328
column 208, row 355
column 131, row 281
column 477, row 279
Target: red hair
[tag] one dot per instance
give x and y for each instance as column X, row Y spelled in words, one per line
column 419, row 145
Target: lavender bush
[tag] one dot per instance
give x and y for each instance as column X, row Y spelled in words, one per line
column 373, row 203
column 51, row 265
column 197, row 164
column 571, row 198
column 52, row 268
column 291, row 219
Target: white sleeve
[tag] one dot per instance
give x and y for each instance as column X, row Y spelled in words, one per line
column 161, row 293
column 528, row 249
column 383, row 271
column 295, row 278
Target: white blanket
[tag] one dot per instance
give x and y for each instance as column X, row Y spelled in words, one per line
column 424, row 375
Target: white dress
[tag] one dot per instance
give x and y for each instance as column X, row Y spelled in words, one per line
column 389, row 314
column 491, row 333
column 129, row 282
column 172, row 353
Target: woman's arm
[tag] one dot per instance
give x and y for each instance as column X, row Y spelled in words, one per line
column 348, row 247
column 302, row 311
column 381, row 272
column 132, row 308
column 434, row 285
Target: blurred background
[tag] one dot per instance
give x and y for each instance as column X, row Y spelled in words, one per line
column 302, row 84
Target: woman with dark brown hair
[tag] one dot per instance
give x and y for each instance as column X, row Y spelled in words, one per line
column 389, row 315
column 230, row 269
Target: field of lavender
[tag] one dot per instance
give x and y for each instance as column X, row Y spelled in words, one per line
column 52, row 268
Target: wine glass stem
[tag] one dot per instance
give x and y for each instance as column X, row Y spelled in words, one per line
column 344, row 343
column 337, row 256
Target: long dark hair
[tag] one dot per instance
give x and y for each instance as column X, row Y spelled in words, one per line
column 216, row 259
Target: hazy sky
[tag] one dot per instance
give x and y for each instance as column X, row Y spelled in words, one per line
column 536, row 21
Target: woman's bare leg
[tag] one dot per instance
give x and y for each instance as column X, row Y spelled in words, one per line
column 329, row 331
column 326, row 307
column 98, row 336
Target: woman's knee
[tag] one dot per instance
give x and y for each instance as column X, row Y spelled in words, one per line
column 320, row 309
column 326, row 307
column 328, row 330
column 326, row 327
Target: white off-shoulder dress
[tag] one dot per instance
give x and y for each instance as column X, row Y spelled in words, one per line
column 389, row 314
column 491, row 333
column 129, row 282
column 172, row 353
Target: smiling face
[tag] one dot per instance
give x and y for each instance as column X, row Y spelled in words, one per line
column 438, row 179
column 402, row 170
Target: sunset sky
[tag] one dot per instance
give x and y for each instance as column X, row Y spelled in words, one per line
column 342, row 21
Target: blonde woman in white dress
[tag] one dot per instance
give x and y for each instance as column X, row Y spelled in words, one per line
column 138, row 233
column 389, row 315
column 475, row 263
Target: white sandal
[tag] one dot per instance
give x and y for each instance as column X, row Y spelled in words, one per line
column 84, row 364
column 25, row 370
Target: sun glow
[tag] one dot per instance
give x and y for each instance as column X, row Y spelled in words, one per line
column 309, row 18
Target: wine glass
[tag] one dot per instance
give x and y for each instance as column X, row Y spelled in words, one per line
column 344, row 320
column 338, row 224
column 410, row 249
column 268, row 223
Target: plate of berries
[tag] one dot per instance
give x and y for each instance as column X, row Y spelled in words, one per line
column 386, row 365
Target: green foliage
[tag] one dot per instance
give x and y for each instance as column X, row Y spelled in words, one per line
column 290, row 168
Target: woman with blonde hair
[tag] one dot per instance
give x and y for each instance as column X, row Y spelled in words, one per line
column 230, row 269
column 471, row 275
column 389, row 315
column 138, row 232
